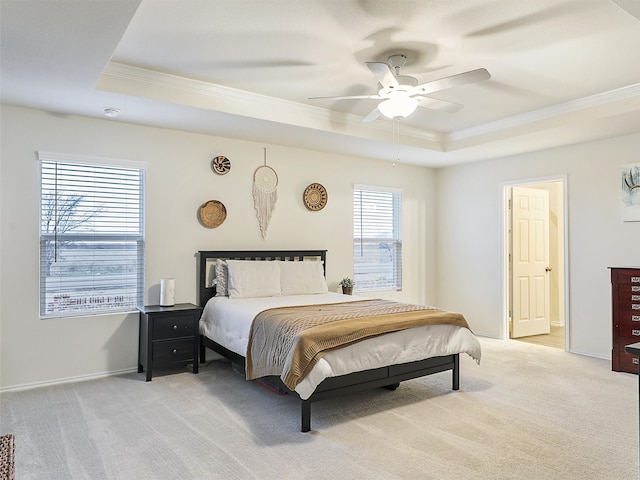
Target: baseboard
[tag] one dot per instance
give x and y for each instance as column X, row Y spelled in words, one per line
column 60, row 381
column 592, row 355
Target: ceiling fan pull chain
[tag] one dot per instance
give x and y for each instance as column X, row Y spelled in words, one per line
column 396, row 137
column 398, row 144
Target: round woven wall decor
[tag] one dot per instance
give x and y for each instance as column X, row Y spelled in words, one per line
column 221, row 165
column 315, row 197
column 265, row 179
column 212, row 214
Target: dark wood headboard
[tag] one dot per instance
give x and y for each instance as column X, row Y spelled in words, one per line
column 207, row 258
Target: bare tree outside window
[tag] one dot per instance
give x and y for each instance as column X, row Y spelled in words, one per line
column 59, row 216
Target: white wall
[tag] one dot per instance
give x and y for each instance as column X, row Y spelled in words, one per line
column 179, row 180
column 469, row 236
column 451, row 230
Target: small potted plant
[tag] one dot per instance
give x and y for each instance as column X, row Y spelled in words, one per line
column 347, row 285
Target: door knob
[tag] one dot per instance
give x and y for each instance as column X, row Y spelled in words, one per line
column 548, row 269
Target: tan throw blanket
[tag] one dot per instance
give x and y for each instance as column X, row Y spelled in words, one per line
column 306, row 333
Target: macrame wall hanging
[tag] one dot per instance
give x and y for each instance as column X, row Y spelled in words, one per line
column 265, row 194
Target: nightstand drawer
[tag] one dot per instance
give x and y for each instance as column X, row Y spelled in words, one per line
column 173, row 326
column 173, row 351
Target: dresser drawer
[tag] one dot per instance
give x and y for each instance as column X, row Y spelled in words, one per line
column 629, row 276
column 173, row 351
column 627, row 362
column 628, row 296
column 627, row 313
column 173, row 326
column 628, row 289
column 629, row 333
column 629, row 318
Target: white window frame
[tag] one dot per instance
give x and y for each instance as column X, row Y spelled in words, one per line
column 92, row 292
column 367, row 266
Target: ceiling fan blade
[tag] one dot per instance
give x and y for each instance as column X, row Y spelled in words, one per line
column 532, row 19
column 472, row 76
column 383, row 73
column 375, row 113
column 438, row 105
column 348, row 97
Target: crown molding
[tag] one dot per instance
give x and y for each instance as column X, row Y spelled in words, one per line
column 548, row 113
column 142, row 82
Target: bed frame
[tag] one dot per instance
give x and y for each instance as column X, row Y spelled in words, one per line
column 386, row 377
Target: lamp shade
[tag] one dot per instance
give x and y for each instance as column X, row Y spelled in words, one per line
column 167, row 288
column 398, row 106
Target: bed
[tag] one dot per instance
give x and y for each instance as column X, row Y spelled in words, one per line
column 240, row 289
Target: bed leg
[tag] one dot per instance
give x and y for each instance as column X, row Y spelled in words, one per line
column 305, row 410
column 456, row 371
column 203, row 350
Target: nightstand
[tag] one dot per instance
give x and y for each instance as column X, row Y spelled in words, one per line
column 168, row 336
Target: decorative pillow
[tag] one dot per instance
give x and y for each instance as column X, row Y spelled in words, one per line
column 221, row 278
column 249, row 278
column 302, row 278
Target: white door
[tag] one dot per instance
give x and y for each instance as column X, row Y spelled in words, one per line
column 530, row 306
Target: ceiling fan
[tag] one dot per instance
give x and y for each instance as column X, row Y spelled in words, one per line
column 401, row 94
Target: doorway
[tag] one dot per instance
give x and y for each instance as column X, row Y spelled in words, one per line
column 544, row 291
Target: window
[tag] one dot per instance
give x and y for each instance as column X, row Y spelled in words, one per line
column 377, row 240
column 91, row 236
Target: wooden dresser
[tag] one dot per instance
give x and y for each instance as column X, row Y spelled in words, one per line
column 625, row 302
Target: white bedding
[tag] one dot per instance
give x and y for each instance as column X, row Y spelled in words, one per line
column 228, row 322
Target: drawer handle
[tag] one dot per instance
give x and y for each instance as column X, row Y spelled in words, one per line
column 635, row 288
column 635, row 279
column 174, row 351
column 635, row 318
column 635, row 298
column 175, row 327
column 635, row 361
column 635, row 333
column 635, row 306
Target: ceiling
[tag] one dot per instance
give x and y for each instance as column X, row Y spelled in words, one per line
column 562, row 71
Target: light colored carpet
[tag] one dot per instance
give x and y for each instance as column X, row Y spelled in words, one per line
column 527, row 412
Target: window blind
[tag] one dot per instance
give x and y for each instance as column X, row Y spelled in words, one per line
column 377, row 242
column 91, row 238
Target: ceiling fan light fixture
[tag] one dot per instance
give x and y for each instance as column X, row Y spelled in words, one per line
column 398, row 107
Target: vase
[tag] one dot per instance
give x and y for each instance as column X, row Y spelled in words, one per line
column 347, row 290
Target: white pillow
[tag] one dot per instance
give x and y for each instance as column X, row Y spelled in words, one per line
column 302, row 278
column 249, row 278
column 221, row 278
